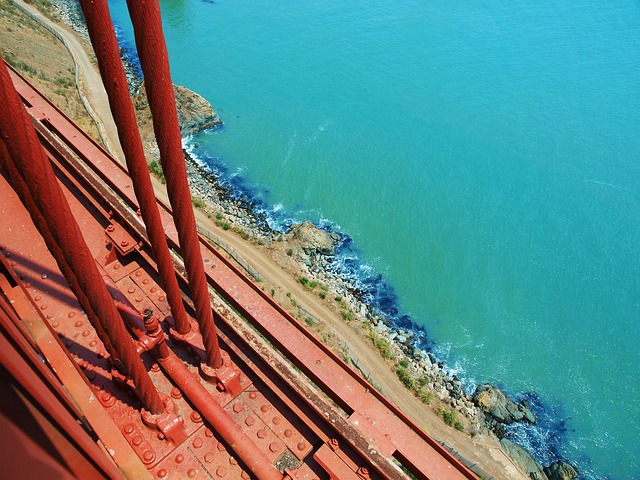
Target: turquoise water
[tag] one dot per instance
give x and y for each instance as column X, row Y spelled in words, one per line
column 482, row 157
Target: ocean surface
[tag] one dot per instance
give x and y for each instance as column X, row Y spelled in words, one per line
column 481, row 159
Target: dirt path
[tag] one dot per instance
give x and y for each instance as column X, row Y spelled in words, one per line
column 89, row 82
column 482, row 449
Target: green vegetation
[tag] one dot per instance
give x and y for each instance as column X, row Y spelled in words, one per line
column 450, row 417
column 156, row 169
column 197, row 202
column 405, row 377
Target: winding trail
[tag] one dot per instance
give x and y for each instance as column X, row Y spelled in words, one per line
column 88, row 80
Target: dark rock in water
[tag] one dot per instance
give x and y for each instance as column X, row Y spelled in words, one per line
column 493, row 401
column 523, row 459
column 561, row 470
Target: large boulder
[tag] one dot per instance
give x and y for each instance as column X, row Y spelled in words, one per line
column 194, row 112
column 493, row 401
column 523, row 460
column 561, row 470
column 314, row 241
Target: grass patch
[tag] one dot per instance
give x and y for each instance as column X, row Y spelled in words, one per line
column 156, row 169
column 197, row 202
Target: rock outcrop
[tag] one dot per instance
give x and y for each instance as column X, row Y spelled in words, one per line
column 194, row 112
column 523, row 459
column 311, row 243
column 561, row 470
column 494, row 402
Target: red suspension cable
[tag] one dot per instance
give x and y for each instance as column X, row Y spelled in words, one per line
column 105, row 45
column 152, row 51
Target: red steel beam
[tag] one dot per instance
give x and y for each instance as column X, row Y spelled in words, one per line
column 152, row 51
column 105, row 45
column 28, row 161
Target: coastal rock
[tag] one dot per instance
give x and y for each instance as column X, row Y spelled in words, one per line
column 523, row 459
column 561, row 470
column 194, row 112
column 313, row 241
column 493, row 401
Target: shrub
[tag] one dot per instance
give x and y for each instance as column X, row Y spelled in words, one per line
column 404, row 363
column 156, row 169
column 197, row 202
column 290, row 251
column 405, row 377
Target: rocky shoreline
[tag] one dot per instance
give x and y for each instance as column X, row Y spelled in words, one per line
column 488, row 409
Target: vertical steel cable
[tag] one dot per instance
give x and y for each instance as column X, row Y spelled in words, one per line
column 105, row 45
column 29, row 161
column 152, row 51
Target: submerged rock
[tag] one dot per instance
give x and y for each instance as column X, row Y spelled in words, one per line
column 561, row 470
column 523, row 459
column 495, row 402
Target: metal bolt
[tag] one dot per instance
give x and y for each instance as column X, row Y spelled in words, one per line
column 37, row 298
column 148, row 456
column 71, row 314
column 301, row 445
column 195, row 417
column 162, row 473
column 237, row 407
column 179, row 458
column 192, row 473
column 276, row 420
column 221, row 471
column 124, row 243
column 250, row 421
column 110, row 228
column 176, row 393
column 253, row 395
column 78, row 323
column 137, row 440
column 262, row 433
column 233, row 461
column 128, row 428
column 208, row 432
column 197, row 442
column 264, row 408
column 273, row 447
column 209, row 457
column 288, row 432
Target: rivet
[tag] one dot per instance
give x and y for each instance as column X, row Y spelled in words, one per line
column 195, row 417
column 288, row 432
column 78, row 323
column 273, row 446
column 148, row 456
column 49, row 316
column 197, row 442
column 301, row 446
column 161, row 298
column 128, row 428
column 138, row 273
column 162, row 473
column 249, row 420
column 262, row 433
column 131, row 290
column 37, row 298
column 55, row 324
column 264, row 408
column 13, row 263
column 245, row 475
column 153, row 289
column 93, row 343
column 161, row 436
column 44, row 306
column 27, row 285
column 137, row 440
column 192, row 473
column 71, row 314
column 276, row 420
column 116, row 266
column 253, row 395
column 221, row 471
column 179, row 458
column 86, row 333
column 208, row 432
column 145, row 281
column 237, row 407
column 233, row 461
column 176, row 393
column 209, row 457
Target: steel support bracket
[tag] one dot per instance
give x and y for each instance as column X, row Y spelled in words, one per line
column 169, row 423
column 121, row 242
column 226, row 378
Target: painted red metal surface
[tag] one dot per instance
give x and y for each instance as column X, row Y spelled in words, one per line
column 154, row 60
column 26, row 160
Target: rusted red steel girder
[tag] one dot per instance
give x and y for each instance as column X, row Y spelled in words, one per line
column 29, row 163
column 152, row 51
column 21, row 187
column 105, row 45
column 27, row 368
